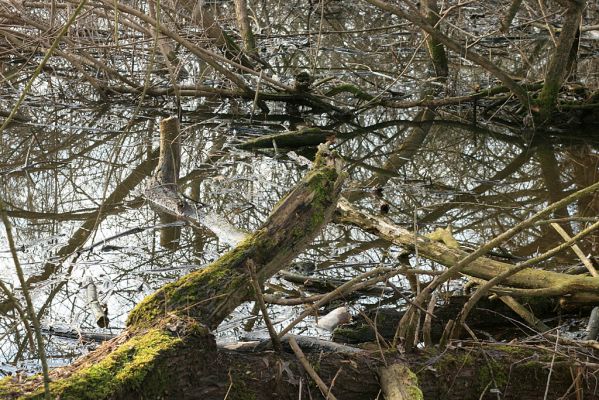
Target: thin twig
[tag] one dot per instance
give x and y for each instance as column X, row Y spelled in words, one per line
column 306, row 364
column 29, row 302
column 551, row 367
column 346, row 288
column 276, row 342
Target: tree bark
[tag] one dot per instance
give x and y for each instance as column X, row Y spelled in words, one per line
column 196, row 369
column 148, row 360
column 547, row 283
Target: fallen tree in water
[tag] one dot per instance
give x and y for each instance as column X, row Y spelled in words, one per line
column 168, row 350
column 181, row 315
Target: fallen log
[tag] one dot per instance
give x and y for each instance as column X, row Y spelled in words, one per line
column 528, row 282
column 489, row 319
column 293, row 139
column 148, row 360
column 167, row 351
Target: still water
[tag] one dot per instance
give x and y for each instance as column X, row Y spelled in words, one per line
column 75, row 160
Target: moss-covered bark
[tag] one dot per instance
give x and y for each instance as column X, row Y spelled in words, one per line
column 484, row 370
column 133, row 365
column 435, row 48
column 140, row 362
column 209, row 295
column 578, row 288
column 178, row 360
column 293, row 139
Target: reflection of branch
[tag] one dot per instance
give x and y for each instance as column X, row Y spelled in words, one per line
column 128, row 232
column 507, row 19
column 166, row 177
column 162, row 193
column 510, row 168
column 81, row 235
column 468, row 54
column 30, row 310
column 76, row 334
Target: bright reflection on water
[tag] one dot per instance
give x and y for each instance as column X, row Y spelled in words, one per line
column 242, row 187
column 73, row 171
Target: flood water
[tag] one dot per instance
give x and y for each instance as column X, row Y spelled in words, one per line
column 74, row 162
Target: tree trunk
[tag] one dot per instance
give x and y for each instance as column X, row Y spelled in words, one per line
column 148, row 360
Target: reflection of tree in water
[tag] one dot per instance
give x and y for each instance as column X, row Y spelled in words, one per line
column 438, row 145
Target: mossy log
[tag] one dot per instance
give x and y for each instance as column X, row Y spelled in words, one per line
column 143, row 361
column 167, row 351
column 305, row 137
column 529, row 282
column 163, row 365
column 489, row 317
column 399, row 383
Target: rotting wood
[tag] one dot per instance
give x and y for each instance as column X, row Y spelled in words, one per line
column 399, row 383
column 290, row 227
column 460, row 372
column 490, row 316
column 160, row 346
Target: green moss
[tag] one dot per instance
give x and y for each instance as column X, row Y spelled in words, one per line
column 413, row 389
column 124, row 370
column 224, row 276
column 181, row 293
column 547, row 101
column 530, row 365
column 450, row 362
column 415, row 393
column 492, row 371
column 321, row 182
column 5, row 387
column 438, row 57
column 362, row 333
column 239, row 389
column 516, row 351
column 349, row 88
